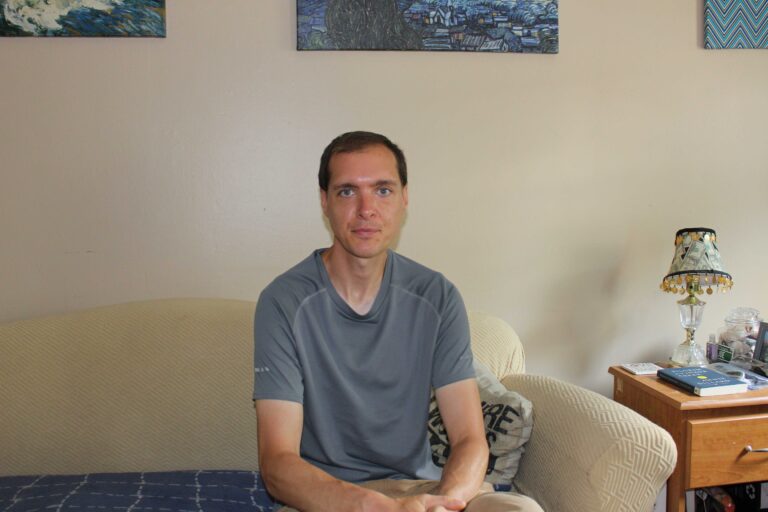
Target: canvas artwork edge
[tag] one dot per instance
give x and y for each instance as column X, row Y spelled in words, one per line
column 489, row 26
column 83, row 18
column 736, row 24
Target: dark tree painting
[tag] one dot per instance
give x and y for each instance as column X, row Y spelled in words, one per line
column 368, row 25
column 521, row 26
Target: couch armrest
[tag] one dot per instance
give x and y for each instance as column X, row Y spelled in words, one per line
column 588, row 452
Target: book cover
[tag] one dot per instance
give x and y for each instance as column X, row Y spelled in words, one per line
column 702, row 381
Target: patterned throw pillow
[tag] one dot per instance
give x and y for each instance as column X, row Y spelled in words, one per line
column 508, row 424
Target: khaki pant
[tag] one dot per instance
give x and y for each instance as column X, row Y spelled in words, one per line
column 486, row 500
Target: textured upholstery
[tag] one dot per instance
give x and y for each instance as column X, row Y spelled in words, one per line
column 153, row 386
column 587, row 452
column 166, row 385
column 496, row 344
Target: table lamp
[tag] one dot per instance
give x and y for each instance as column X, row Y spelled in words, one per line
column 696, row 268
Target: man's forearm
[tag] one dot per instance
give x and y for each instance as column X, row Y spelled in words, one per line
column 302, row 486
column 465, row 469
column 297, row 483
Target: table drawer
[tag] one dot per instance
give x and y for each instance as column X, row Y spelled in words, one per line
column 717, row 454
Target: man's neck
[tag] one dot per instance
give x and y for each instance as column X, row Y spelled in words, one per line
column 356, row 280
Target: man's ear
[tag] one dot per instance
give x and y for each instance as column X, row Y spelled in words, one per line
column 324, row 201
column 405, row 195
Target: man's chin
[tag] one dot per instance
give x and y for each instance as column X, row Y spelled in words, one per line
column 366, row 252
column 369, row 255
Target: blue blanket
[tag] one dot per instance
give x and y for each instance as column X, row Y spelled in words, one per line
column 179, row 491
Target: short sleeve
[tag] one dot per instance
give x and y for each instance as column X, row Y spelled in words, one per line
column 453, row 350
column 277, row 370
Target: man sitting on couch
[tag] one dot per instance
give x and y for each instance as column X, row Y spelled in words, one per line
column 349, row 344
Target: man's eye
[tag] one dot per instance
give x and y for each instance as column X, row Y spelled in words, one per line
column 385, row 191
column 345, row 192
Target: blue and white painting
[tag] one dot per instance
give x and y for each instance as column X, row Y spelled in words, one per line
column 735, row 24
column 83, row 18
column 501, row 26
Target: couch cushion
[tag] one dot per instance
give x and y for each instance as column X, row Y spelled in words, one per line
column 145, row 386
column 496, row 344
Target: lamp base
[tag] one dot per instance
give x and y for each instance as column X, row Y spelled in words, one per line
column 688, row 354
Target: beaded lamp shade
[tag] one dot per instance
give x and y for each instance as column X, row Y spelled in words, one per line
column 696, row 266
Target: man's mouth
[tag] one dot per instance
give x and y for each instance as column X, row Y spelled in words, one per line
column 365, row 231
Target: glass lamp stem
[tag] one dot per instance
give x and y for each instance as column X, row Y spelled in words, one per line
column 691, row 311
column 690, row 332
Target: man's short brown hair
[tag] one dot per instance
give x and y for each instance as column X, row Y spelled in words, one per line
column 356, row 141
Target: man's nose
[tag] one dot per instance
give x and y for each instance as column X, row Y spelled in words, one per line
column 366, row 205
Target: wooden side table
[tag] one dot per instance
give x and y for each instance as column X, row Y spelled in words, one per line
column 712, row 434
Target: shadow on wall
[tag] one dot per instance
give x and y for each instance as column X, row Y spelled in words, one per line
column 577, row 316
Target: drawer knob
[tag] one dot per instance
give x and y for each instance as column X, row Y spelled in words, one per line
column 749, row 449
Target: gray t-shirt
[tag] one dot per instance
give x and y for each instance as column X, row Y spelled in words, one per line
column 364, row 380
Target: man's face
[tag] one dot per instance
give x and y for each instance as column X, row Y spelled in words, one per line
column 365, row 201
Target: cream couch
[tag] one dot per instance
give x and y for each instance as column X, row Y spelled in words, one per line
column 166, row 385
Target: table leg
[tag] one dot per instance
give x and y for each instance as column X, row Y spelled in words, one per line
column 676, row 491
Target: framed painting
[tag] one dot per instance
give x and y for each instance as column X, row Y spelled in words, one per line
column 82, row 18
column 499, row 26
column 735, row 24
column 761, row 347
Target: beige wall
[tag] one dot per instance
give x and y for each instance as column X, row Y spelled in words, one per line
column 547, row 187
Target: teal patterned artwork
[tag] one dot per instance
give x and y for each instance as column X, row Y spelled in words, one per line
column 735, row 24
column 82, row 18
column 498, row 26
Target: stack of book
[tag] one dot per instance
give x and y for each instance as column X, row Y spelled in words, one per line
column 702, row 381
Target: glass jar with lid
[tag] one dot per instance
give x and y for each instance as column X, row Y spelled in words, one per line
column 740, row 332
